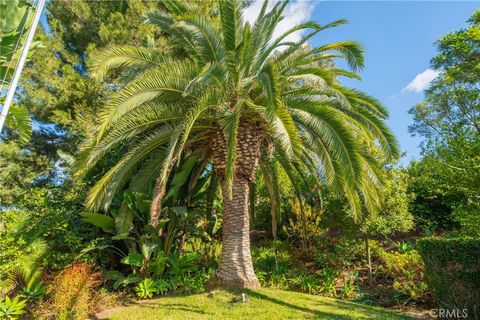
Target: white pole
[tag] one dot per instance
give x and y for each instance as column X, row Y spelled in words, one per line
column 21, row 62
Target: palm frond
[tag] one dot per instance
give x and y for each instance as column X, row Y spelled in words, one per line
column 352, row 51
column 101, row 194
column 19, row 121
column 118, row 57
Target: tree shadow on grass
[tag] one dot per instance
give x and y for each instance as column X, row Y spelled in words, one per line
column 181, row 307
column 361, row 311
column 317, row 313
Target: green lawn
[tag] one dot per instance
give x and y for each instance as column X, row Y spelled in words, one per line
column 265, row 304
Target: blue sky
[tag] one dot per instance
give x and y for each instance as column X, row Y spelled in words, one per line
column 398, row 38
column 399, row 42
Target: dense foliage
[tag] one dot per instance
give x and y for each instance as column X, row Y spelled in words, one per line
column 453, row 272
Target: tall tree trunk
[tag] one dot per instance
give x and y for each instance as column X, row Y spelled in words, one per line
column 273, row 212
column 272, row 193
column 236, row 268
column 369, row 263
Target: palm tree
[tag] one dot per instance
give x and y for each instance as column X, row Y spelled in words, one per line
column 235, row 101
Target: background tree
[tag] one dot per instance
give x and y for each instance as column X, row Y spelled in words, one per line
column 394, row 216
column 55, row 88
column 449, row 120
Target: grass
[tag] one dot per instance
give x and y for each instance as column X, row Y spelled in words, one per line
column 264, row 304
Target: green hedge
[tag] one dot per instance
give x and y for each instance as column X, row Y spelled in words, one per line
column 453, row 272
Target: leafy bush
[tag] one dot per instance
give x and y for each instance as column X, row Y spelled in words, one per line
column 305, row 228
column 350, row 285
column 194, row 282
column 209, row 252
column 453, row 271
column 275, row 281
column 339, row 254
column 13, row 242
column 309, row 283
column 328, row 282
column 72, row 294
column 24, row 273
column 30, row 283
column 161, row 286
column 468, row 216
column 276, row 268
column 274, row 259
column 406, row 270
column 49, row 216
column 405, row 247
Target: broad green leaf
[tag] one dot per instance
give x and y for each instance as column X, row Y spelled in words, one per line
column 113, row 275
column 18, row 120
column 124, row 219
column 133, row 259
column 158, row 264
column 103, row 221
column 133, row 278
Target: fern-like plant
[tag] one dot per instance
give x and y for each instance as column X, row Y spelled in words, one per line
column 146, row 288
column 11, row 309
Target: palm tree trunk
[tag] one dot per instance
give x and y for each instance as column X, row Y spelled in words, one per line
column 236, row 268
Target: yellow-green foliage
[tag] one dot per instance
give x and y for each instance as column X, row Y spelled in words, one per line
column 394, row 215
column 407, row 271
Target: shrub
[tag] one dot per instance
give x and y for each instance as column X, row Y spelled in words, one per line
column 275, row 259
column 208, row 252
column 406, row 270
column 48, row 215
column 350, row 285
column 72, row 294
column 339, row 254
column 453, row 272
column 308, row 283
column 194, row 282
column 328, row 282
column 161, row 286
column 305, row 228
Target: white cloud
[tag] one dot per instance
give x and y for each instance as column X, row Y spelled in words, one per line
column 295, row 13
column 421, row 81
column 251, row 13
